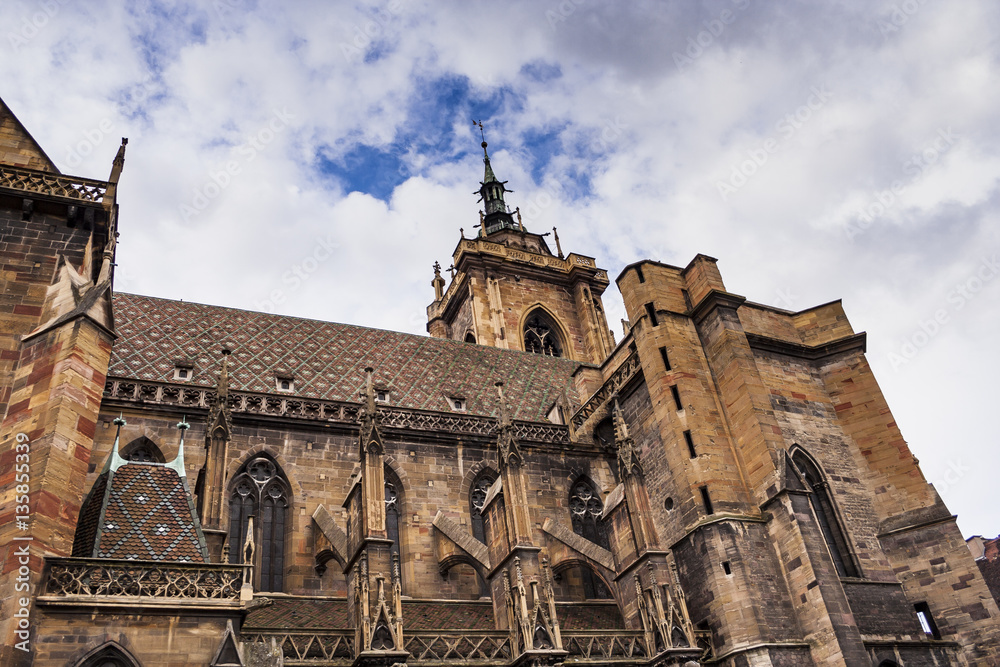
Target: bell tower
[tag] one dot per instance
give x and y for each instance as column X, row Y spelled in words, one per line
column 509, row 290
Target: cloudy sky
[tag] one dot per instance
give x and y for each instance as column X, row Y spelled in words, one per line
column 316, row 158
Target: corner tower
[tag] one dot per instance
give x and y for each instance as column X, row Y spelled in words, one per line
column 509, row 291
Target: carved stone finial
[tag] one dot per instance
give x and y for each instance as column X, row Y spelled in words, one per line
column 628, row 457
column 438, row 282
column 652, row 573
column 222, row 389
column 508, row 448
column 370, row 391
column 555, row 235
column 621, row 428
column 504, row 417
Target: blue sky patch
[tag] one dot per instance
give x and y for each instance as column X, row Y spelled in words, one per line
column 540, row 71
column 436, row 106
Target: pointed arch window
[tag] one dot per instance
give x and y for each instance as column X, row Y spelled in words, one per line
column 142, row 450
column 109, row 655
column 541, row 335
column 260, row 491
column 585, row 508
column 392, row 512
column 826, row 514
column 477, row 499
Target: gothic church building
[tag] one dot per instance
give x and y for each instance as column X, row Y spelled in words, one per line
column 188, row 484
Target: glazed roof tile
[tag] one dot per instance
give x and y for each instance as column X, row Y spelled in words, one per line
column 161, row 525
column 327, row 359
column 331, row 614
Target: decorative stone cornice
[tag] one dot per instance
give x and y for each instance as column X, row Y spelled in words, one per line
column 505, row 253
column 713, row 300
column 122, row 392
column 72, row 190
column 854, row 343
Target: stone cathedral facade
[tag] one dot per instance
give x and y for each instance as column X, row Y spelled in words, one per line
column 187, row 484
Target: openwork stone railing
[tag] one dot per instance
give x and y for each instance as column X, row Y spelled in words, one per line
column 309, row 647
column 134, row 578
column 605, row 646
column 249, row 403
column 459, row 647
column 622, row 374
column 52, row 185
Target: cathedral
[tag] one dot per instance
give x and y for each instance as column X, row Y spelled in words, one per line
column 191, row 484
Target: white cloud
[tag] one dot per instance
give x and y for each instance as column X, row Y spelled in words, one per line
column 188, row 84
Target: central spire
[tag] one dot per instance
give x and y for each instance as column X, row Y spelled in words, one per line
column 491, row 192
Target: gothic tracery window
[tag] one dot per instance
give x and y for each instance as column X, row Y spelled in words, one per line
column 826, row 514
column 392, row 518
column 585, row 508
column 477, row 498
column 541, row 335
column 260, row 491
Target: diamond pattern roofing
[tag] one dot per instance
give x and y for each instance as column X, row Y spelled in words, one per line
column 327, row 359
column 141, row 511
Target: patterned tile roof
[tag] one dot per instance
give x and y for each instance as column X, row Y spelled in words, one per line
column 300, row 614
column 327, row 359
column 293, row 613
column 331, row 614
column 589, row 616
column 449, row 615
column 141, row 511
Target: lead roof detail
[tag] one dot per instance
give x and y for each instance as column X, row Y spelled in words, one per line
column 327, row 359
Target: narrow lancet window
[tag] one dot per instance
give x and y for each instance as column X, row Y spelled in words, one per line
column 826, row 515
